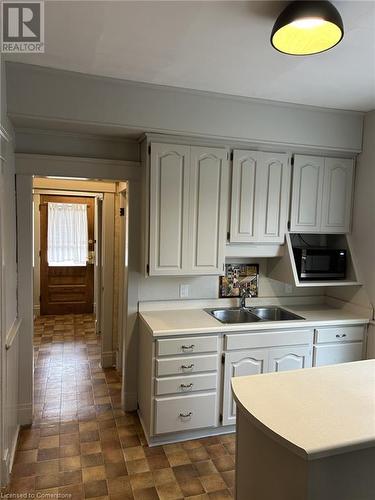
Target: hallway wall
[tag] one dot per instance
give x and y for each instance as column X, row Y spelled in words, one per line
column 9, row 324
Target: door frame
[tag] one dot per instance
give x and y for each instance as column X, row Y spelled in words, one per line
column 28, row 166
column 37, row 192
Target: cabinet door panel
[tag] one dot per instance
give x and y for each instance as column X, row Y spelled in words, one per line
column 243, row 210
column 237, row 364
column 169, row 187
column 334, row 354
column 273, row 195
column 308, row 173
column 208, row 210
column 289, row 358
column 337, row 195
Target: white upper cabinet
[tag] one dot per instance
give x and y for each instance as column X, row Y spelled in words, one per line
column 208, row 202
column 188, row 209
column 308, row 174
column 169, row 183
column 337, row 195
column 243, row 223
column 273, row 197
column 321, row 194
column 260, row 197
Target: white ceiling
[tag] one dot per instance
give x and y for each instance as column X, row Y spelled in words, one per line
column 214, row 46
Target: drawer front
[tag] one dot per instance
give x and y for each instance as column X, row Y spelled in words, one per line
column 185, row 384
column 335, row 353
column 183, row 413
column 267, row 339
column 186, row 345
column 339, row 334
column 186, row 365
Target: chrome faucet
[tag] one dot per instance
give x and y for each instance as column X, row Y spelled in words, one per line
column 245, row 293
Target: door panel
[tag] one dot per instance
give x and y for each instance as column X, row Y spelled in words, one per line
column 337, row 195
column 308, row 173
column 208, row 210
column 169, row 188
column 273, row 196
column 70, row 289
column 237, row 364
column 243, row 209
column 283, row 359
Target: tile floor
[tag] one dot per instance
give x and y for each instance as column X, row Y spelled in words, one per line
column 82, row 445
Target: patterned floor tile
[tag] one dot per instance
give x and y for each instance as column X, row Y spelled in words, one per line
column 83, row 445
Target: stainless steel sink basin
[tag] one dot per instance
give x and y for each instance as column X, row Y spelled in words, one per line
column 252, row 314
column 233, row 315
column 274, row 313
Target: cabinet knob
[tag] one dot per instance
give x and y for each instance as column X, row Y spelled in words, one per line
column 187, row 347
column 186, row 386
column 340, row 336
column 187, row 367
column 186, row 415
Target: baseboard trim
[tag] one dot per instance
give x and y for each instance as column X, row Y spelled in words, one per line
column 25, row 414
column 8, row 458
column 14, row 448
column 36, row 311
column 108, row 359
column 130, row 401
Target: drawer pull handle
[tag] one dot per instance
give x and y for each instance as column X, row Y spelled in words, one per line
column 186, row 386
column 187, row 367
column 186, row 415
column 187, row 347
column 340, row 336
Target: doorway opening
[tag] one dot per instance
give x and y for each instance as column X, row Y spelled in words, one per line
column 79, row 252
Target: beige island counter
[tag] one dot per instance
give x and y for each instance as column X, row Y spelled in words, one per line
column 307, row 435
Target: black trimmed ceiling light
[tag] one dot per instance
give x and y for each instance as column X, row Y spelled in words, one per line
column 307, row 27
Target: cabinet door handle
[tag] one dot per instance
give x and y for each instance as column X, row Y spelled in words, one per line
column 187, row 347
column 187, row 367
column 186, row 415
column 340, row 336
column 187, row 386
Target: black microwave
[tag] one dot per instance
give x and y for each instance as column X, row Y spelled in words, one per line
column 320, row 263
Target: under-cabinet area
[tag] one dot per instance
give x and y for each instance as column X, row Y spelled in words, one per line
column 185, row 376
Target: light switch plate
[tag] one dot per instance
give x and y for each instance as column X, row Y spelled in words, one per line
column 184, row 290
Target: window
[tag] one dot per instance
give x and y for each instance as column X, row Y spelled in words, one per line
column 67, row 240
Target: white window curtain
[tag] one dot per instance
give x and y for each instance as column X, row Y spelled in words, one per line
column 67, row 243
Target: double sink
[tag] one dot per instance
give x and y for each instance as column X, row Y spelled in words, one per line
column 252, row 314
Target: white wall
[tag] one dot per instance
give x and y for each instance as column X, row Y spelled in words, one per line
column 207, row 287
column 9, row 325
column 83, row 100
column 363, row 224
column 58, row 142
column 364, row 208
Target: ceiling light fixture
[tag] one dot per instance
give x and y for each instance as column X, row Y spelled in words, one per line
column 307, row 27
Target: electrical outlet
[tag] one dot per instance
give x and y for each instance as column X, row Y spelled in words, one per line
column 184, row 290
column 288, row 288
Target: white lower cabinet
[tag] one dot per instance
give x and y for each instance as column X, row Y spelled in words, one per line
column 184, row 413
column 333, row 354
column 183, row 386
column 237, row 364
column 257, row 361
column 282, row 359
column 338, row 345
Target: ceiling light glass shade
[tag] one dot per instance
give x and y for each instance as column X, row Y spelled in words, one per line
column 307, row 27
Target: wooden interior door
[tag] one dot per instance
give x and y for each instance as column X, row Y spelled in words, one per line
column 66, row 290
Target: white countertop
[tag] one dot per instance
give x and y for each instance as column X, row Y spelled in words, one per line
column 315, row 412
column 192, row 321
